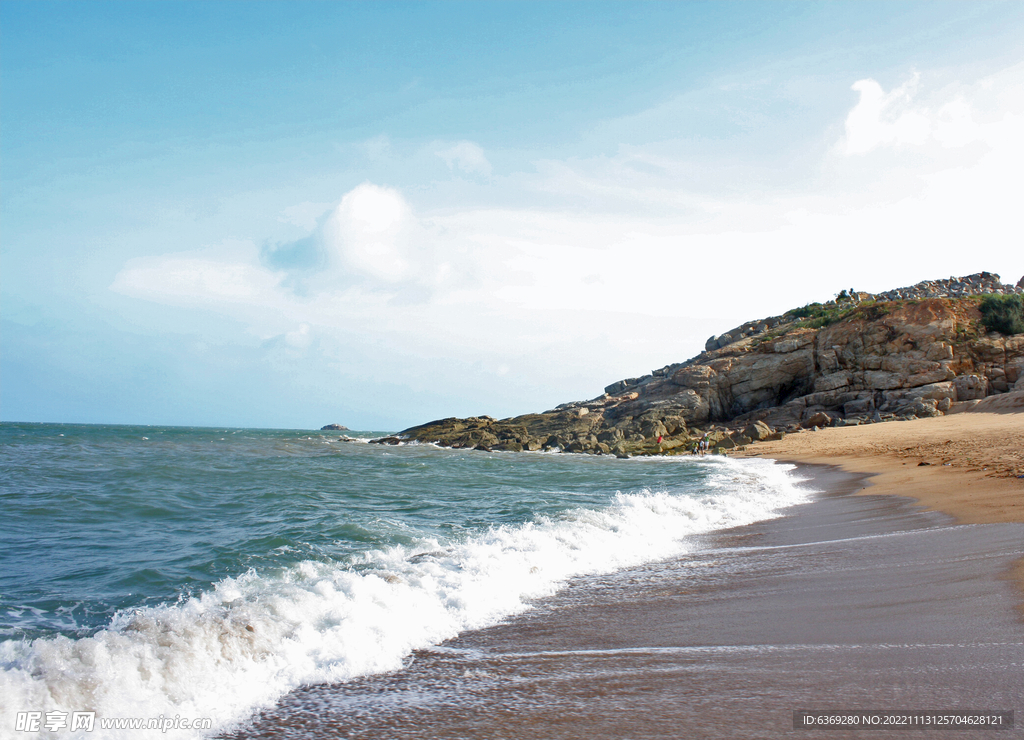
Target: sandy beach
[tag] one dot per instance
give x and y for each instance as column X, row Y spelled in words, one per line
column 969, row 465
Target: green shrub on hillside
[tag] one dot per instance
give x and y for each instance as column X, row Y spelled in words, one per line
column 816, row 315
column 811, row 310
column 1003, row 313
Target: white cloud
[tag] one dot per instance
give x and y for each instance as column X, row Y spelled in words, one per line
column 371, row 232
column 909, row 116
column 466, row 156
column 955, row 125
column 227, row 274
column 300, row 337
column 885, row 118
column 649, row 266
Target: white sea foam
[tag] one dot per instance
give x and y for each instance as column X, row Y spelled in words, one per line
column 251, row 639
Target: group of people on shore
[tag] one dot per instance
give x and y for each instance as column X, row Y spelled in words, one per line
column 701, row 446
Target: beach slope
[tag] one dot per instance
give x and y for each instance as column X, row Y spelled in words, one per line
column 967, row 465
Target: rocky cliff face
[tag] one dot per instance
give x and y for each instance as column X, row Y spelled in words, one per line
column 856, row 360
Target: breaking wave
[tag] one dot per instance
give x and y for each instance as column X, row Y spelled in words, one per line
column 250, row 639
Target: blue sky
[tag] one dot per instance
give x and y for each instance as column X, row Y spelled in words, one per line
column 289, row 214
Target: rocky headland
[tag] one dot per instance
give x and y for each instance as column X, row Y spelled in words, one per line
column 935, row 348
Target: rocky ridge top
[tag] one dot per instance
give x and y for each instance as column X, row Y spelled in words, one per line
column 858, row 359
column 982, row 283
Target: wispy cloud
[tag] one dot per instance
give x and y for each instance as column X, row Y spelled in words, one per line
column 465, row 156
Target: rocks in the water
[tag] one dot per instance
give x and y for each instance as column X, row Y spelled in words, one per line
column 334, row 428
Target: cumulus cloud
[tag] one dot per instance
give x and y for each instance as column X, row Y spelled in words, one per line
column 465, row 156
column 900, row 118
column 372, row 232
column 885, row 118
column 374, row 241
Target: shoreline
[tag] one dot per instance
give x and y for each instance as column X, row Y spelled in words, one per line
column 845, row 601
column 970, row 466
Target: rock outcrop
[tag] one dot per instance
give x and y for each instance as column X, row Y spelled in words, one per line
column 334, row 428
column 982, row 283
column 859, row 359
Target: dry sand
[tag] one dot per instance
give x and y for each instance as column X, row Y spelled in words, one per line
column 969, row 465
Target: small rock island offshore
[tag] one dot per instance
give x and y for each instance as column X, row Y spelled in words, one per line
column 935, row 348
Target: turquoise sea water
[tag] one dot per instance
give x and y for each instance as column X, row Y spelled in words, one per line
column 205, row 572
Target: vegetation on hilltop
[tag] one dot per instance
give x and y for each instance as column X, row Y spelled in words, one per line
column 820, row 315
column 1003, row 313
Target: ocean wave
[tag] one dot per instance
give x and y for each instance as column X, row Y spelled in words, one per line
column 250, row 639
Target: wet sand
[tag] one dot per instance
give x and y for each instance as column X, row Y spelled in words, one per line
column 864, row 602
column 969, row 465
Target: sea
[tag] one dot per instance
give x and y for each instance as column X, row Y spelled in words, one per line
column 172, row 582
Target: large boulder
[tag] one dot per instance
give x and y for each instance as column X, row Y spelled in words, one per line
column 970, row 387
column 697, row 377
column 919, row 407
column 758, row 431
column 989, row 350
column 939, row 351
column 817, row 419
column 791, row 343
column 935, row 391
column 882, row 380
column 620, row 386
column 832, row 381
column 859, row 407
